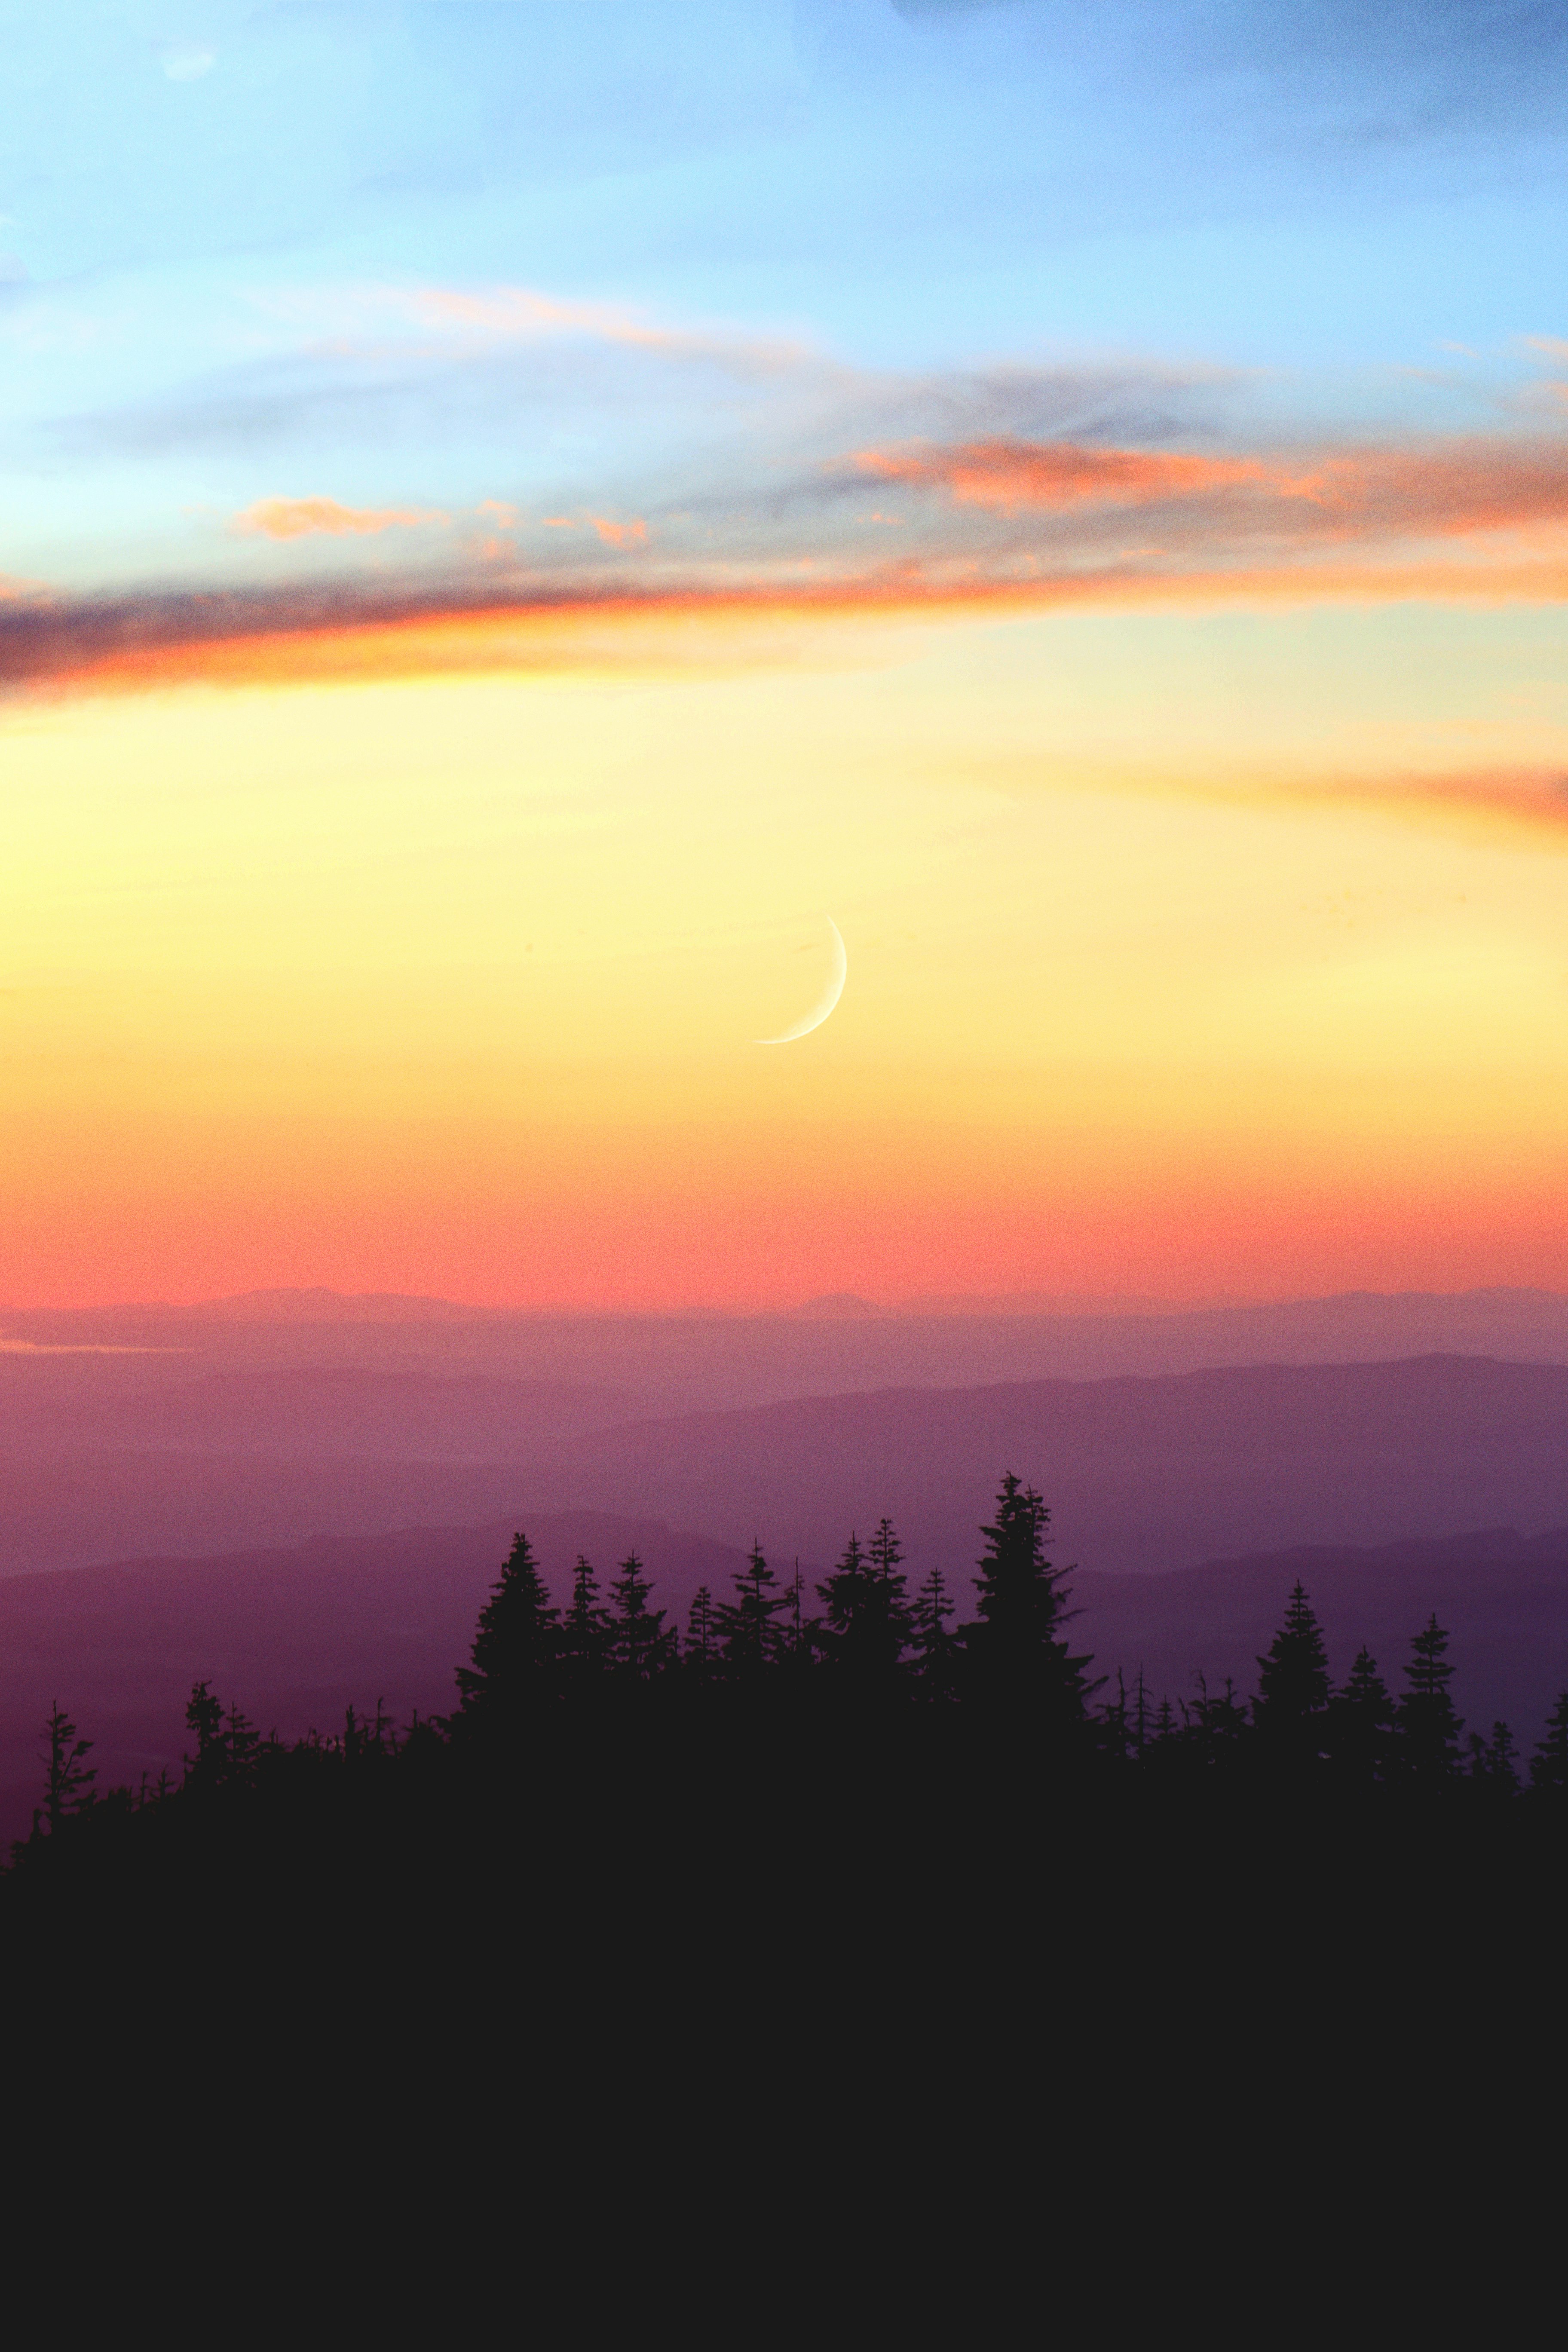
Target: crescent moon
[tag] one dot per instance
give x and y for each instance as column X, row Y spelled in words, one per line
column 826, row 1001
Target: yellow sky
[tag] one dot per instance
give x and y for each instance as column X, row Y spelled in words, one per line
column 1186, row 951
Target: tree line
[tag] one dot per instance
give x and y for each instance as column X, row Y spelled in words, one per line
column 860, row 1649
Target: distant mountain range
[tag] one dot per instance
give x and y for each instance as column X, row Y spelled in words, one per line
column 1144, row 1474
column 694, row 1363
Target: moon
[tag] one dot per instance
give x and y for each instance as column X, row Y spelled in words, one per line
column 826, row 1001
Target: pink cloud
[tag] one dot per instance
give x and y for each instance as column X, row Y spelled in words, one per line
column 621, row 534
column 1009, row 474
column 300, row 518
column 1448, row 489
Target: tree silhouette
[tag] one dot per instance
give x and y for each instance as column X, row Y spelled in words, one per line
column 1495, row 1761
column 584, row 1637
column 750, row 1635
column 1427, row 1726
column 699, row 1652
column 869, row 1621
column 67, row 1780
column 1292, row 1706
column 638, row 1644
column 203, row 1716
column 1216, row 1726
column 1016, row 1649
column 517, row 1644
column 1360, row 1722
column 1548, row 1765
column 935, row 1648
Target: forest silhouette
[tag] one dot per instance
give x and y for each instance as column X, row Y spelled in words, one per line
column 828, row 1844
column 855, row 1675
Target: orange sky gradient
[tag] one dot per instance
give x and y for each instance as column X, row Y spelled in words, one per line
column 1190, row 953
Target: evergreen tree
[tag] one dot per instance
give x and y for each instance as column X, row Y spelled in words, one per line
column 68, row 1778
column 241, row 1744
column 1425, row 1724
column 1142, row 1721
column 1548, row 1765
column 1495, row 1761
column 699, row 1652
column 640, row 1646
column 1215, row 1726
column 1360, row 1722
column 869, row 1620
column 804, row 1634
column 203, row 1716
column 1016, row 1650
column 1116, row 1716
column 585, row 1630
column 935, row 1648
column 750, row 1635
column 1291, row 1707
column 517, row 1646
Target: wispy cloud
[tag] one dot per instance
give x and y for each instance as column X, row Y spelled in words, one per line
column 1117, row 496
column 1013, row 476
column 370, row 321
column 472, row 626
column 301, row 518
column 1445, row 490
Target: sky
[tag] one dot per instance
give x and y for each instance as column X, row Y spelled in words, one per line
column 517, row 517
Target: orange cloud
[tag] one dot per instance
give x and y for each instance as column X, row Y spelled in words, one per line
column 305, row 636
column 1014, row 525
column 1010, row 475
column 300, row 518
column 1448, row 490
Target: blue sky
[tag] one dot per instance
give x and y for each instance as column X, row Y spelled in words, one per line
column 1344, row 216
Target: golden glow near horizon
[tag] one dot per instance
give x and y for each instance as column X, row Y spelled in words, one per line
column 1187, row 952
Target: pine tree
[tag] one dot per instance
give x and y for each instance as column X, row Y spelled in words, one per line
column 1548, row 1765
column 1142, row 1721
column 203, row 1716
column 750, row 1636
column 1291, row 1707
column 517, row 1646
column 1426, row 1726
column 1216, row 1726
column 585, row 1632
column 804, row 1634
column 1115, row 1715
column 1360, row 1722
column 1015, row 1648
column 639, row 1645
column 67, row 1780
column 869, row 1621
column 1495, row 1761
column 935, row 1648
column 699, row 1651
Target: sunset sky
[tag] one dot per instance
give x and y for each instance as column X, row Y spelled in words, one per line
column 514, row 515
